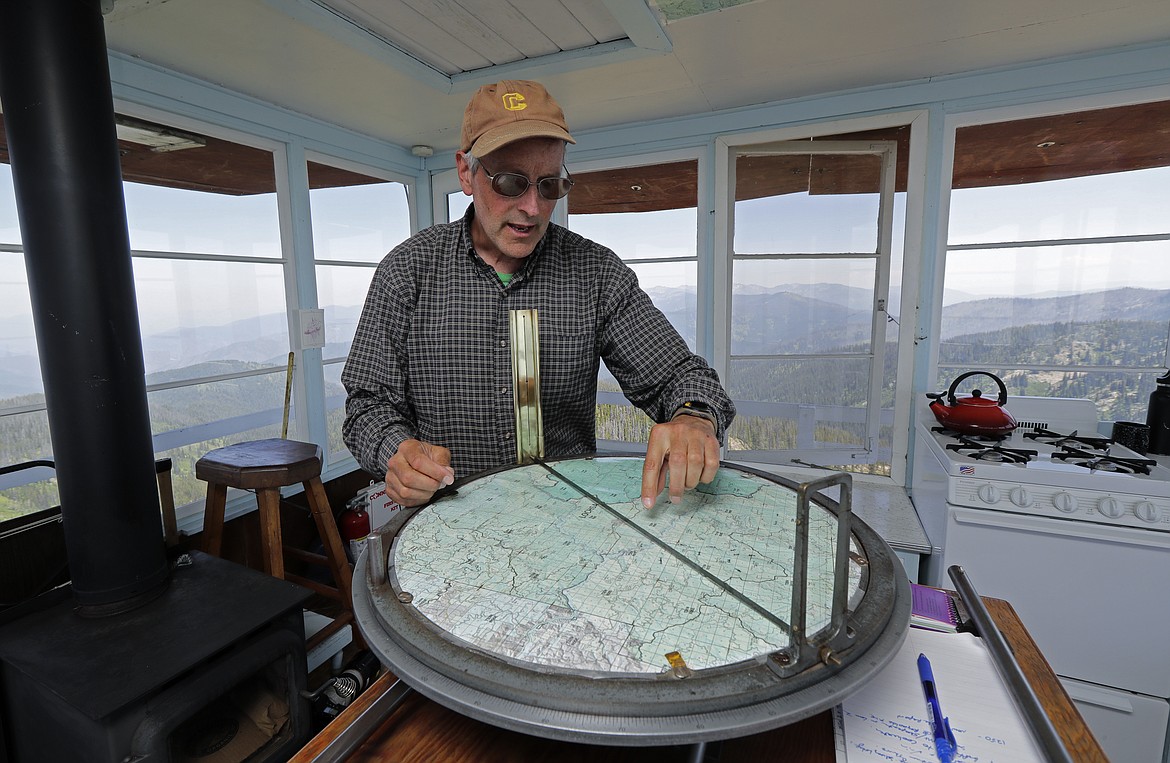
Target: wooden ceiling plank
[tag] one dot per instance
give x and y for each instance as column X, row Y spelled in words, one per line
column 468, row 28
column 558, row 24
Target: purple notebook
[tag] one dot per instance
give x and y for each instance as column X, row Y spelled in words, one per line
column 933, row 609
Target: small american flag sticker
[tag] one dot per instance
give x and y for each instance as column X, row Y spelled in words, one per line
column 968, row 471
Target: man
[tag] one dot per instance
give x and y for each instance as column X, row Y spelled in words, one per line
column 429, row 376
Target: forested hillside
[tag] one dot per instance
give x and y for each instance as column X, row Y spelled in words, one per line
column 1128, row 328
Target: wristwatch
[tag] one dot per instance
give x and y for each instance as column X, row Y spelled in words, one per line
column 695, row 408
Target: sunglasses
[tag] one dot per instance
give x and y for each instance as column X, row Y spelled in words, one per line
column 511, row 184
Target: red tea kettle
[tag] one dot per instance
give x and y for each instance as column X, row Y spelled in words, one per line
column 973, row 415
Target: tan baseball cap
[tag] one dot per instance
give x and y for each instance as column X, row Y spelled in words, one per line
column 508, row 111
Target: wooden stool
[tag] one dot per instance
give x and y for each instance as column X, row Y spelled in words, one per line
column 266, row 466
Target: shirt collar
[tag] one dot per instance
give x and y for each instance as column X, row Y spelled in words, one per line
column 529, row 262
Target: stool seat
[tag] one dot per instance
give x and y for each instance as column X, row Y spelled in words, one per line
column 261, row 463
column 265, row 466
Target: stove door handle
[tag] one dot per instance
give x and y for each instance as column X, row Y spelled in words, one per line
column 1062, row 527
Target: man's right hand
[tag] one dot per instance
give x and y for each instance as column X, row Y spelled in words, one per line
column 416, row 471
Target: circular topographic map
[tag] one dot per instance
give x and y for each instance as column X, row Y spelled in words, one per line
column 546, row 599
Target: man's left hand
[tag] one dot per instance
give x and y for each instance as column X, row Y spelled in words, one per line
column 685, row 448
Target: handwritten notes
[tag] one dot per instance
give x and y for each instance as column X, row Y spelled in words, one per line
column 886, row 720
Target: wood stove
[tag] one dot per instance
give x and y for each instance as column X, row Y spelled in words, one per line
column 173, row 678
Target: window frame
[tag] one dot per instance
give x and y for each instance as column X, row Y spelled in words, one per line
column 886, row 152
column 298, row 264
column 165, row 441
column 918, row 213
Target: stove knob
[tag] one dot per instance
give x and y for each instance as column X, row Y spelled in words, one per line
column 989, row 494
column 1064, row 502
column 1147, row 512
column 1109, row 507
column 1020, row 497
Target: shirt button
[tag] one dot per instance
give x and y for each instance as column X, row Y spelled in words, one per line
column 503, row 390
column 503, row 343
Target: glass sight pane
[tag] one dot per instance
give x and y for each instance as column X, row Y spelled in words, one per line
column 802, row 306
column 807, row 403
column 202, row 318
column 358, row 221
column 181, row 220
column 831, row 205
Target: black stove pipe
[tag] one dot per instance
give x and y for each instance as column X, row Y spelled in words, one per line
column 58, row 110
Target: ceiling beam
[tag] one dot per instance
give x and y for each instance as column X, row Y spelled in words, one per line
column 640, row 23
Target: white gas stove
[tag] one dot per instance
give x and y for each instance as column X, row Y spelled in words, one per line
column 1071, row 529
column 1053, row 464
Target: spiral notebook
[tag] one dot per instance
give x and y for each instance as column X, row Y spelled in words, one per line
column 934, row 609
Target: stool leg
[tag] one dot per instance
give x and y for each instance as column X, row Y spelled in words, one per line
column 213, row 518
column 330, row 539
column 335, row 553
column 271, row 544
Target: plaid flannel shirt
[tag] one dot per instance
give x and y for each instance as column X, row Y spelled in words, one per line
column 431, row 357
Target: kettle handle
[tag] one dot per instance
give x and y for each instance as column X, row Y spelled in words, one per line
column 955, row 385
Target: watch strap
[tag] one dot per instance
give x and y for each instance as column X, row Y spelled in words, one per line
column 701, row 410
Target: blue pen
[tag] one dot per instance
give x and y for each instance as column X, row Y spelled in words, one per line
column 940, row 727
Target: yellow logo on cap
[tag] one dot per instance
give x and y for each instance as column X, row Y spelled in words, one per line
column 514, row 102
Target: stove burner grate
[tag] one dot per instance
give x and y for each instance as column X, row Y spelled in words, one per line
column 972, row 438
column 1073, row 439
column 981, row 451
column 1103, row 462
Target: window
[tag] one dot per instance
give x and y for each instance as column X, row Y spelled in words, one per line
column 209, row 278
column 24, row 424
column 357, row 219
column 812, row 249
column 211, row 283
column 1056, row 273
column 457, row 204
column 648, row 215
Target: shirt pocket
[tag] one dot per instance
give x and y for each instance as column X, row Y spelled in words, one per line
column 568, row 363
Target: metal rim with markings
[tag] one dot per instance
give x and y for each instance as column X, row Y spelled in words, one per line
column 688, row 700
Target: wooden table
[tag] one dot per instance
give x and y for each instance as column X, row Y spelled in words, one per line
column 420, row 730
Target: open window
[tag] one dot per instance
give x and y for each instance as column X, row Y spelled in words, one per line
column 811, row 250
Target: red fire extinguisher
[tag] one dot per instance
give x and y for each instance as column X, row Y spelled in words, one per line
column 354, row 526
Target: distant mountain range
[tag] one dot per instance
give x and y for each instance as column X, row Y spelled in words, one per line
column 762, row 313
column 782, row 319
column 1115, row 305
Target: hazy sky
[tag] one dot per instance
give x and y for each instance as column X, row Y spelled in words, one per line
column 1085, row 207
column 364, row 222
